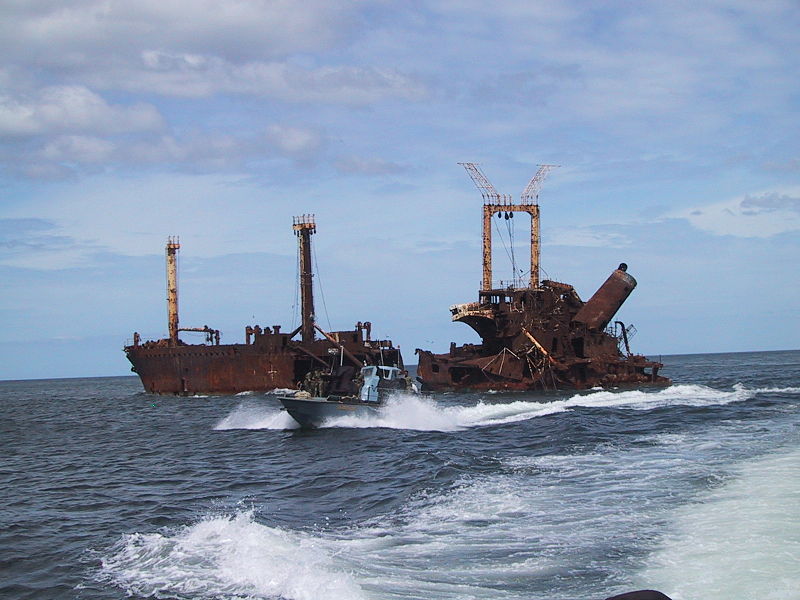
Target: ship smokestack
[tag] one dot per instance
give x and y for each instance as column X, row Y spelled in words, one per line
column 173, row 244
column 304, row 226
column 597, row 313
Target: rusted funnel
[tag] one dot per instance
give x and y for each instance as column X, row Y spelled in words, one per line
column 601, row 308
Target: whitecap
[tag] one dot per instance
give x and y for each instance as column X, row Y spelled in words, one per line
column 228, row 556
column 248, row 416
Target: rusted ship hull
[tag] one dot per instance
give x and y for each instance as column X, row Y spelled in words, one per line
column 199, row 369
column 442, row 372
column 545, row 338
column 233, row 368
column 268, row 359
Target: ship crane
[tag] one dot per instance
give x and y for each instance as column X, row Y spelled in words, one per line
column 531, row 190
column 494, row 202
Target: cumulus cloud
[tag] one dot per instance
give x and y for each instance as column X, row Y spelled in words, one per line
column 78, row 148
column 60, row 156
column 63, row 34
column 752, row 216
column 196, row 76
column 226, row 150
column 770, row 202
column 72, row 108
column 216, row 48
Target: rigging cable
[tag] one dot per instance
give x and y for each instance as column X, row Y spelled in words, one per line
column 321, row 291
column 510, row 228
column 296, row 292
column 503, row 241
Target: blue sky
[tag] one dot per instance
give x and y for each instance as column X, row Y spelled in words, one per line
column 675, row 125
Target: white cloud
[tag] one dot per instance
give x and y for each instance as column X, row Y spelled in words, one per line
column 217, row 47
column 751, row 216
column 298, row 142
column 60, row 156
column 587, row 237
column 78, row 148
column 215, row 214
column 58, row 33
column 72, row 108
column 226, row 151
column 367, row 166
column 196, row 76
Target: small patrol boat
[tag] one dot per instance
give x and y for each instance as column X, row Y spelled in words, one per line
column 348, row 394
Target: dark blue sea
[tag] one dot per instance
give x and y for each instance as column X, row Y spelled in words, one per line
column 108, row 492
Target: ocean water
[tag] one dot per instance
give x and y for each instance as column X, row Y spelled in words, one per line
column 694, row 489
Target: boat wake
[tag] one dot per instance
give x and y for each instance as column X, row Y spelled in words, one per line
column 533, row 521
column 227, row 556
column 250, row 416
column 422, row 413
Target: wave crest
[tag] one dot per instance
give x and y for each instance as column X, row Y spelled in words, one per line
column 228, row 556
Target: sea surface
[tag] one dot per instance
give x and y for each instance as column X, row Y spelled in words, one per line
column 694, row 490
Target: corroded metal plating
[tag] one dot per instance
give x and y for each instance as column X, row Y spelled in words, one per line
column 268, row 359
column 542, row 336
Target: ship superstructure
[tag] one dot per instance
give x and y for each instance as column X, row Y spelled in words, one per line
column 537, row 335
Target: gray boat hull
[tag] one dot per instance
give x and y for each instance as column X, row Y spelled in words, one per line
column 313, row 412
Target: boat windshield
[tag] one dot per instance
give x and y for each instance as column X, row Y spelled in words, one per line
column 389, row 373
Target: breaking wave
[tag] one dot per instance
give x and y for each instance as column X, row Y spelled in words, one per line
column 228, row 556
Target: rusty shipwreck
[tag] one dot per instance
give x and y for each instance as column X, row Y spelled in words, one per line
column 268, row 359
column 537, row 335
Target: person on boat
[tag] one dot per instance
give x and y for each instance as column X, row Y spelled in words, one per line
column 305, row 384
column 316, row 384
column 407, row 379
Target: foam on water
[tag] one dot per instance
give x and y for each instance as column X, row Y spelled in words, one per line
column 407, row 411
column 739, row 541
column 250, row 416
column 228, row 556
column 547, row 519
column 675, row 512
column 421, row 413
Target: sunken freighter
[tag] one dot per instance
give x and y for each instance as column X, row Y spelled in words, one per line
column 269, row 358
column 540, row 335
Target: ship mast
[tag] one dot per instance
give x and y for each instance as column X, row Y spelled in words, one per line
column 494, row 202
column 173, row 244
column 304, row 226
